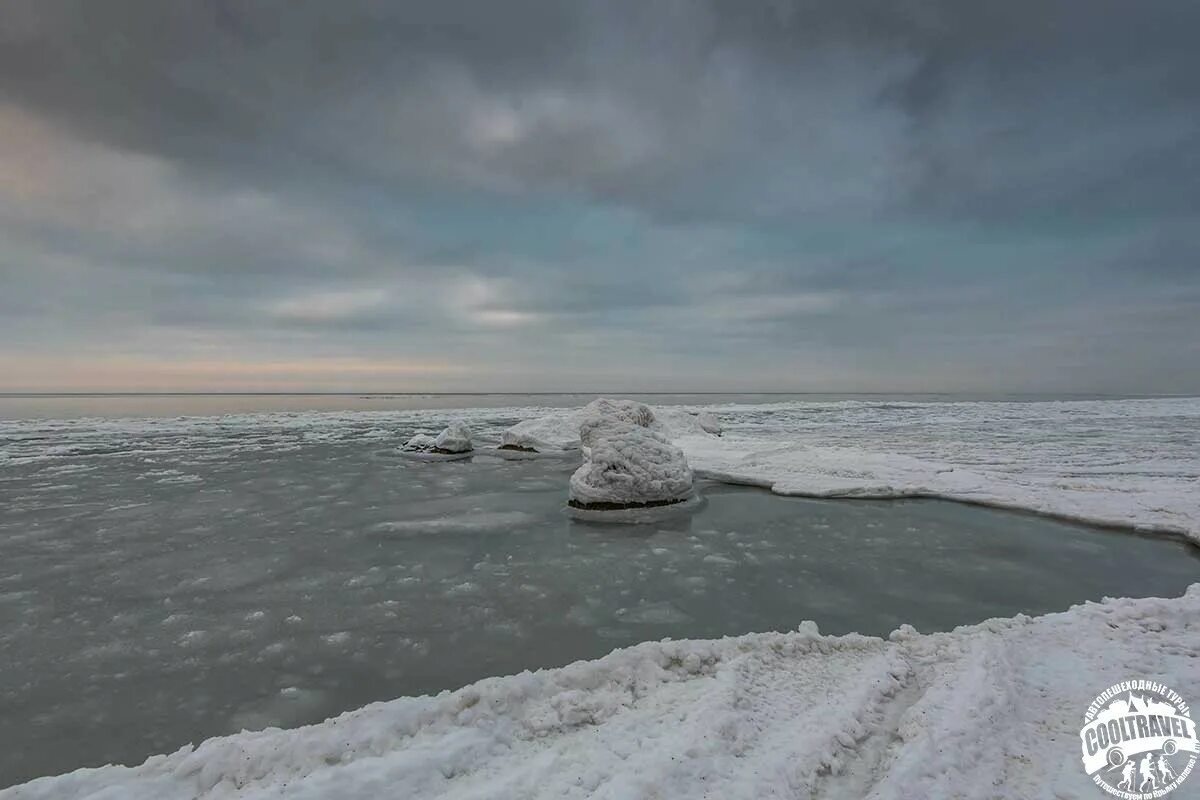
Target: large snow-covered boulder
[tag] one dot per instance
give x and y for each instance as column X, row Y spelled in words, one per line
column 627, row 466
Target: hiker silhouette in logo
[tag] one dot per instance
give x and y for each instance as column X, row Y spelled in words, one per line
column 1126, row 776
column 1147, row 771
column 1164, row 769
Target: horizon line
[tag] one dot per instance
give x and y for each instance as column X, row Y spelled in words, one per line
column 585, row 392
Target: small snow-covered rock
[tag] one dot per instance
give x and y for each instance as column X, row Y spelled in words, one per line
column 627, row 465
column 422, row 442
column 455, row 439
column 553, row 433
column 709, row 423
column 452, row 443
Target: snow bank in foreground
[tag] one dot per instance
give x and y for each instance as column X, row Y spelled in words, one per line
column 625, row 463
column 991, row 710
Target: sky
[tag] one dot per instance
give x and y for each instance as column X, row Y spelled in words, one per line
column 872, row 195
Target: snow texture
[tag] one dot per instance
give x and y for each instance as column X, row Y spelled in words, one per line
column 991, row 710
column 421, row 442
column 559, row 430
column 454, row 439
column 709, row 423
column 1124, row 463
column 987, row 711
column 556, row 432
column 625, row 462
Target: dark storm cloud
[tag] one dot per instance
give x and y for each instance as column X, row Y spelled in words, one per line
column 906, row 188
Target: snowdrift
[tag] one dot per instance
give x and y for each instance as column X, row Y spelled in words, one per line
column 987, row 711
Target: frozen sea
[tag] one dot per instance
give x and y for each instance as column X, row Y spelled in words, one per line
column 166, row 577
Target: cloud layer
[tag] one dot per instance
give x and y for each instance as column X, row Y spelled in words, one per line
column 456, row 195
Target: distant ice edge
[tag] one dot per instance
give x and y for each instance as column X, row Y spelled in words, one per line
column 988, row 710
column 1117, row 522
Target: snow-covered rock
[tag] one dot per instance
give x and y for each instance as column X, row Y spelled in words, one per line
column 627, row 465
column 452, row 443
column 709, row 423
column 553, row 433
column 454, row 439
column 420, row 443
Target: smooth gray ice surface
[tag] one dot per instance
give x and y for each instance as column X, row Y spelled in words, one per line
column 154, row 597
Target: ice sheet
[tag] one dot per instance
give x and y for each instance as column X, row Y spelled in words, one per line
column 1132, row 463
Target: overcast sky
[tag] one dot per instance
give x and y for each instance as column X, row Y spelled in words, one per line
column 810, row 196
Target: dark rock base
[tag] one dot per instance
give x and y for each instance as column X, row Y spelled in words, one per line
column 622, row 506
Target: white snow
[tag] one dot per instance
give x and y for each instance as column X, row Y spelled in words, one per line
column 559, row 430
column 1127, row 463
column 420, row 442
column 987, row 711
column 991, row 710
column 453, row 443
column 455, row 439
column 709, row 423
column 625, row 462
column 553, row 432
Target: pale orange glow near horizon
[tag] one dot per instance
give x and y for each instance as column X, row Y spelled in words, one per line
column 212, row 375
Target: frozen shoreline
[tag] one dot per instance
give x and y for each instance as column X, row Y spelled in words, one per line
column 755, row 715
column 989, row 710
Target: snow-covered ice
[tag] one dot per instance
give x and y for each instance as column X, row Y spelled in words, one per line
column 558, row 430
column 1128, row 463
column 990, row 710
column 987, row 711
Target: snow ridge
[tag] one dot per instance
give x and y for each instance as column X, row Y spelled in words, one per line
column 985, row 711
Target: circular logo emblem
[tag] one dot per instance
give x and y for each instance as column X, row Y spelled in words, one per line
column 1139, row 741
